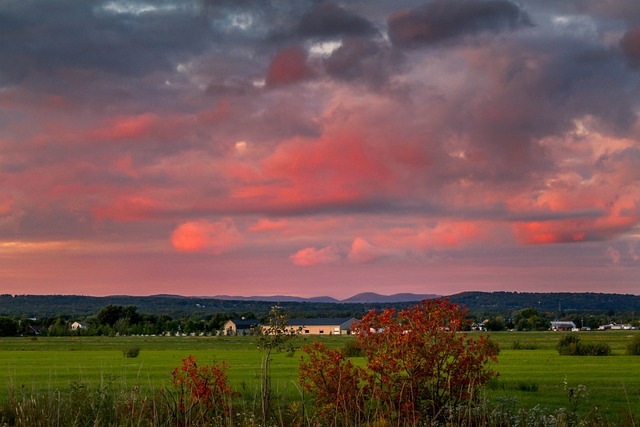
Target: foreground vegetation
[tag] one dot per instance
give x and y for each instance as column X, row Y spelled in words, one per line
column 78, row 380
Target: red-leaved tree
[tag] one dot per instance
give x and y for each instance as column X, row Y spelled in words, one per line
column 336, row 384
column 419, row 362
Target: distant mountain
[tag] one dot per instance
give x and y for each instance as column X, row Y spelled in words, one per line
column 275, row 298
column 372, row 297
column 363, row 298
column 323, row 299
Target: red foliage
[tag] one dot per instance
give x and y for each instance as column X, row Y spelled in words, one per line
column 335, row 382
column 418, row 363
column 199, row 392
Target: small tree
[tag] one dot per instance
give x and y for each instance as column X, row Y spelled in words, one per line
column 275, row 336
column 336, row 383
column 8, row 327
column 419, row 363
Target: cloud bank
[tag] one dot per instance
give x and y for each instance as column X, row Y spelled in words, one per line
column 429, row 146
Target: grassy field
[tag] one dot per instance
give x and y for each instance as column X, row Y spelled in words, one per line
column 533, row 375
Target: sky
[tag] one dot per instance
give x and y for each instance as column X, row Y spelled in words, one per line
column 309, row 148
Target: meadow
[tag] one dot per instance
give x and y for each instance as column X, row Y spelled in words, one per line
column 532, row 373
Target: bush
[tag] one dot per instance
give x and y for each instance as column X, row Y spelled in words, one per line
column 518, row 345
column 419, row 365
column 335, row 383
column 570, row 345
column 633, row 348
column 131, row 352
column 594, row 349
column 199, row 394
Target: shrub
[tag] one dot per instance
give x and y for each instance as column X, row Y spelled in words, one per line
column 131, row 352
column 518, row 345
column 198, row 394
column 336, row 384
column 633, row 348
column 594, row 349
column 418, row 363
column 570, row 345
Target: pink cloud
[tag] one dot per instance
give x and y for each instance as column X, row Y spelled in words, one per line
column 312, row 256
column 537, row 233
column 288, row 66
column 446, row 234
column 6, row 204
column 614, row 256
column 338, row 167
column 132, row 207
column 128, row 127
column 630, row 44
column 265, row 225
column 206, row 236
column 363, row 252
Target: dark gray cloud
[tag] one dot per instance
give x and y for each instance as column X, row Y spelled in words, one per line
column 329, row 20
column 43, row 37
column 444, row 19
column 363, row 59
column 540, row 89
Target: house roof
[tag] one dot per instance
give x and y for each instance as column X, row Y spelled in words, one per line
column 563, row 323
column 245, row 323
column 321, row 321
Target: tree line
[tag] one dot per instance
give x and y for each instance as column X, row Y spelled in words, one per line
column 116, row 319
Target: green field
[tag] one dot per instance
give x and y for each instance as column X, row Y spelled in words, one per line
column 530, row 377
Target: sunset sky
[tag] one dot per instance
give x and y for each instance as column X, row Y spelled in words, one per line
column 254, row 147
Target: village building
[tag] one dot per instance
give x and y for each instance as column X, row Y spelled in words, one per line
column 323, row 326
column 563, row 326
column 615, row 327
column 319, row 326
column 77, row 325
column 240, row 326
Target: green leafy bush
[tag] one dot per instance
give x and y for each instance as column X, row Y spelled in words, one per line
column 131, row 352
column 570, row 345
column 518, row 345
column 633, row 348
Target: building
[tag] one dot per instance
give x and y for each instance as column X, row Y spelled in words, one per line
column 240, row 326
column 562, row 326
column 615, row 327
column 77, row 325
column 323, row 326
column 319, row 326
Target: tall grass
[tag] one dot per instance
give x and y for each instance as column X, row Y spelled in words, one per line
column 110, row 404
